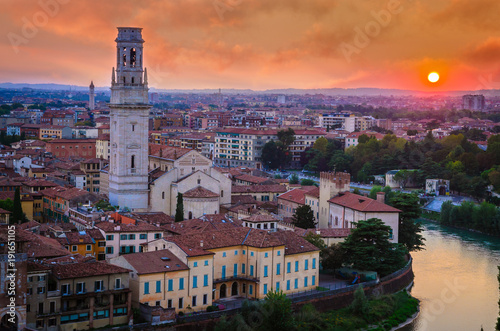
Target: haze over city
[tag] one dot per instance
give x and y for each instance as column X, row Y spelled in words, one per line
column 249, row 44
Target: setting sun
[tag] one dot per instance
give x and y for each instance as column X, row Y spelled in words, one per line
column 433, row 77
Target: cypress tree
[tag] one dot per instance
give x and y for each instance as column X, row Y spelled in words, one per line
column 179, row 210
column 17, row 212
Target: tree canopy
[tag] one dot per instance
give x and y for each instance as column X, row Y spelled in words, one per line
column 368, row 248
column 304, row 217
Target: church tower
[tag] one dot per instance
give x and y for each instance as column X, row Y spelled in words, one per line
column 129, row 120
column 91, row 96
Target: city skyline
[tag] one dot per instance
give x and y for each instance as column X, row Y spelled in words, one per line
column 245, row 44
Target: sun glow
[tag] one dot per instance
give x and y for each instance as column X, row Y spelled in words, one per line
column 433, row 77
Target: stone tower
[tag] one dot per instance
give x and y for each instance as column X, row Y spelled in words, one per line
column 330, row 185
column 128, row 169
column 91, row 96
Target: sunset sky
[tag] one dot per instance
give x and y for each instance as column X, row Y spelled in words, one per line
column 258, row 44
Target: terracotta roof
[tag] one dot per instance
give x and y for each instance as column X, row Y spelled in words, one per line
column 152, row 217
column 227, row 238
column 76, row 238
column 199, row 192
column 66, row 193
column 314, row 192
column 296, row 195
column 261, row 218
column 276, row 188
column 167, row 152
column 251, row 179
column 35, row 246
column 109, row 227
column 40, row 182
column 211, row 222
column 3, row 211
column 95, row 234
column 361, row 203
column 245, row 199
column 294, row 244
column 155, row 262
column 86, row 269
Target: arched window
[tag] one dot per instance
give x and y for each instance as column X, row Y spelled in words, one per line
column 132, row 57
column 163, row 195
column 124, row 61
column 190, row 216
column 222, row 193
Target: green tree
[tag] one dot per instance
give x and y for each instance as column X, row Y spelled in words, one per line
column 294, row 179
column 446, row 208
column 412, row 132
column 320, row 144
column 410, row 231
column 368, row 248
column 373, row 192
column 315, row 239
column 307, row 182
column 279, row 312
column 332, row 257
column 304, row 217
column 179, row 210
column 285, row 139
column 17, row 212
column 270, row 155
column 360, row 305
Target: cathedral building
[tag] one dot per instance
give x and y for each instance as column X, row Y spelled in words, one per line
column 148, row 178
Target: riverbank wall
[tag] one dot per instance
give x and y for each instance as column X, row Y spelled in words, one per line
column 323, row 301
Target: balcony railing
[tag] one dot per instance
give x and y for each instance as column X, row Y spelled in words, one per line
column 75, row 308
column 236, row 277
column 52, row 294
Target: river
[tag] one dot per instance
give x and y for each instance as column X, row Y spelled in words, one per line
column 456, row 280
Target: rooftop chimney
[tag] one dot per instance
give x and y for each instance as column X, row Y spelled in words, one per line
column 381, row 197
column 201, row 243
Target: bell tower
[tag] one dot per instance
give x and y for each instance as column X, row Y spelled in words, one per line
column 129, row 121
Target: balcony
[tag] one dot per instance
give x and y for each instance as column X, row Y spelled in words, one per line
column 51, row 294
column 47, row 314
column 75, row 308
column 236, row 277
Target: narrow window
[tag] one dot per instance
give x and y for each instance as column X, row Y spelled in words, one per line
column 132, row 58
column 132, row 162
column 124, row 59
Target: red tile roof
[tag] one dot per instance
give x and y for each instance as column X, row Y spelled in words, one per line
column 155, row 262
column 199, row 192
column 86, row 269
column 167, row 152
column 361, row 203
column 261, row 218
column 296, row 195
column 277, row 188
column 109, row 227
column 251, row 179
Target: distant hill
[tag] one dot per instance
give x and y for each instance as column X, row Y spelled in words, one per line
column 287, row 91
